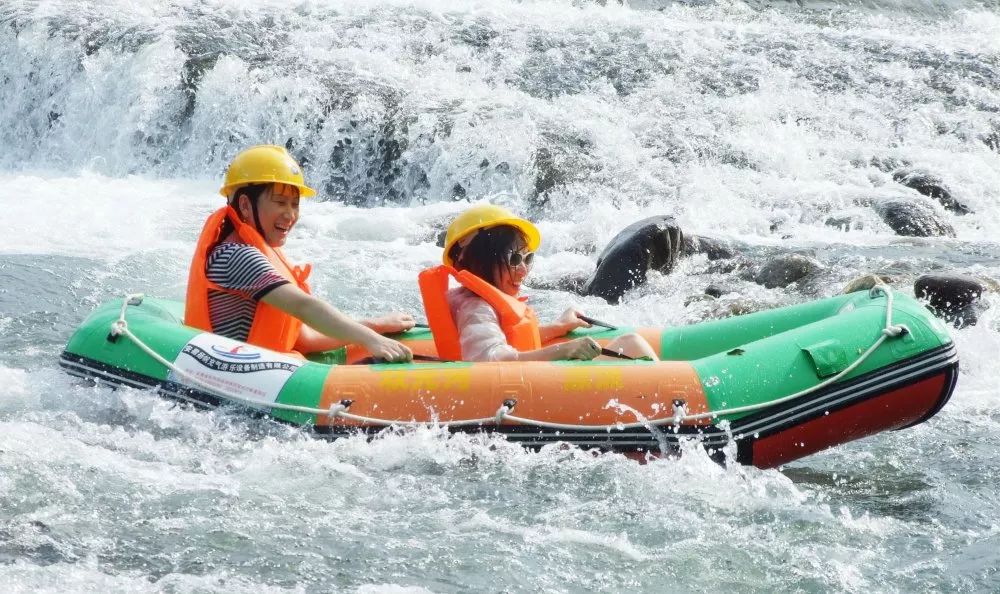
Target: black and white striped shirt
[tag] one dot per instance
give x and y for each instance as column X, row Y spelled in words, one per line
column 245, row 270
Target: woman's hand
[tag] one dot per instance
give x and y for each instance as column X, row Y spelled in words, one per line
column 391, row 323
column 585, row 349
column 389, row 349
column 570, row 320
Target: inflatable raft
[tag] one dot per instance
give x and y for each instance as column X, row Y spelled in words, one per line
column 779, row 384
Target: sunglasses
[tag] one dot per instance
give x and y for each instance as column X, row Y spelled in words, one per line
column 515, row 259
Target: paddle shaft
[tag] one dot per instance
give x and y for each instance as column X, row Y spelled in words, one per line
column 596, row 322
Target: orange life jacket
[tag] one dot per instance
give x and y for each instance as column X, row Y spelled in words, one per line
column 517, row 320
column 271, row 328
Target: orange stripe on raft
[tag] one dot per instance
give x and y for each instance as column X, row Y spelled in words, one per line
column 556, row 392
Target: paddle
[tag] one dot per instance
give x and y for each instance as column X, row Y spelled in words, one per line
column 416, row 357
column 596, row 322
column 609, row 353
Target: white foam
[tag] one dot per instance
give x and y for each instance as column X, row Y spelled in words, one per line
column 92, row 215
column 17, row 392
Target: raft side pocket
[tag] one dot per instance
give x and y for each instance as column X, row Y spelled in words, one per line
column 828, row 357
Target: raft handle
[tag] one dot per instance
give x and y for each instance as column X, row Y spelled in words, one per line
column 680, row 410
column 504, row 410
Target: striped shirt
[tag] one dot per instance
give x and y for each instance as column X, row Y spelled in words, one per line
column 245, row 270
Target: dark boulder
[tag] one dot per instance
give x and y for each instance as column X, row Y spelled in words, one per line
column 740, row 264
column 786, row 269
column 714, row 249
column 912, row 218
column 952, row 297
column 571, row 282
column 650, row 244
column 931, row 186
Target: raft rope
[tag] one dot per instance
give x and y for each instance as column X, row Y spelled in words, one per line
column 339, row 409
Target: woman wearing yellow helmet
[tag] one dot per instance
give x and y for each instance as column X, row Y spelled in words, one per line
column 490, row 252
column 240, row 284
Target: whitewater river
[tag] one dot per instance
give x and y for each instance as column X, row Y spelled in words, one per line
column 751, row 122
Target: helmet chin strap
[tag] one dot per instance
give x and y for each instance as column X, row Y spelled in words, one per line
column 256, row 217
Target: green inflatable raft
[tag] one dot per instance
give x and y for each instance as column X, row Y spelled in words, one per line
column 774, row 385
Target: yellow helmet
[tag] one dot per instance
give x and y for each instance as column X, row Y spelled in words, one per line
column 263, row 164
column 482, row 216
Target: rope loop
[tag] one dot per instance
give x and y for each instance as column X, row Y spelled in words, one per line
column 119, row 327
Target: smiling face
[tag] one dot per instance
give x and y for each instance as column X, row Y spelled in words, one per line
column 277, row 212
column 488, row 254
column 509, row 278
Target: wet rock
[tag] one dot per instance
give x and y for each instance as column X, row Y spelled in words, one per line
column 866, row 282
column 992, row 138
column 931, row 186
column 714, row 249
column 653, row 243
column 714, row 291
column 703, row 298
column 952, row 297
column 193, row 70
column 731, row 265
column 845, row 222
column 478, row 34
column 432, row 229
column 547, row 174
column 912, row 218
column 570, row 282
column 888, row 164
column 784, row 270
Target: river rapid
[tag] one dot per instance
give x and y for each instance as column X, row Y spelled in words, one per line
column 752, row 122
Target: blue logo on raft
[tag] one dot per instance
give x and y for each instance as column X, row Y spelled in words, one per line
column 241, row 366
column 234, row 353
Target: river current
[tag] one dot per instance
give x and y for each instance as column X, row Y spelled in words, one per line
column 751, row 122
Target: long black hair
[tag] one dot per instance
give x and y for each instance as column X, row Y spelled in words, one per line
column 486, row 255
